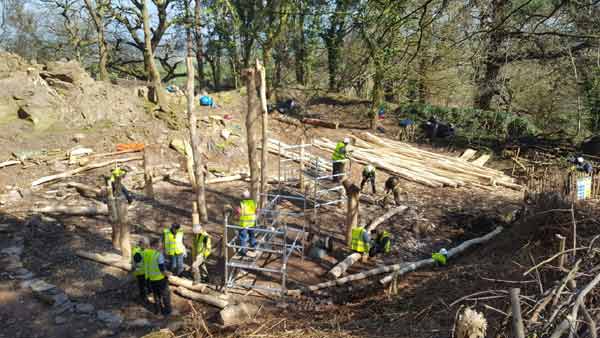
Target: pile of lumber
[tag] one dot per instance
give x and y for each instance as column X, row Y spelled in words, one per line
column 420, row 166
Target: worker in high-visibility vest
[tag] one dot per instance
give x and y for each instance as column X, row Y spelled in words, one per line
column 368, row 175
column 137, row 267
column 119, row 173
column 200, row 252
column 338, row 159
column 440, row 257
column 174, row 248
column 246, row 213
column 360, row 240
column 381, row 243
column 157, row 276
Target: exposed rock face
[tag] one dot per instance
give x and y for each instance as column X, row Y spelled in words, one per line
column 60, row 92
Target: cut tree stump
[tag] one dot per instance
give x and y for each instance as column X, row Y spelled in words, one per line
column 237, row 314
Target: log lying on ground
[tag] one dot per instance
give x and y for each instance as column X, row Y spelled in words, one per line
column 74, row 210
column 226, row 179
column 202, row 297
column 399, row 269
column 86, row 190
column 8, row 163
column 341, row 267
column 117, row 261
column 70, row 173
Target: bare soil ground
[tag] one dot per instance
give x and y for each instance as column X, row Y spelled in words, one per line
column 437, row 218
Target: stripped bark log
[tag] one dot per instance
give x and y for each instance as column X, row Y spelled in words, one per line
column 8, row 163
column 251, row 132
column 401, row 268
column 201, row 297
column 86, row 190
column 265, row 130
column 70, row 173
column 118, row 261
column 517, row 318
column 74, row 210
column 340, row 268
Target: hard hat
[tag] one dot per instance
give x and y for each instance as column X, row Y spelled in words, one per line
column 580, row 159
column 444, row 252
column 346, row 140
column 196, row 228
column 246, row 194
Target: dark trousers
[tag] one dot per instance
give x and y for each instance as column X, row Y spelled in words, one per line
column 142, row 286
column 162, row 296
column 366, row 179
column 338, row 168
column 378, row 247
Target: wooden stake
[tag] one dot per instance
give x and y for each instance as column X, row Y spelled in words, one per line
column 352, row 210
column 113, row 215
column 148, row 175
column 574, row 229
column 517, row 319
column 301, row 173
column 561, row 247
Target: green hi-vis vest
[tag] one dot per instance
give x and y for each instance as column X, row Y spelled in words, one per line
column 173, row 244
column 247, row 213
column 117, row 172
column 358, row 244
column 203, row 244
column 438, row 257
column 340, row 152
column 388, row 244
column 368, row 173
column 137, row 268
column 151, row 268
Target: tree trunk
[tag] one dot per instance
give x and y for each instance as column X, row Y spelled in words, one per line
column 378, row 92
column 97, row 13
column 252, row 131
column 265, row 130
column 198, row 40
column 267, row 62
column 352, row 211
column 125, row 232
column 156, row 92
column 300, row 51
column 199, row 187
column 333, row 40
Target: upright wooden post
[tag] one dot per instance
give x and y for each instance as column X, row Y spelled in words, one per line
column 301, row 173
column 352, row 193
column 148, row 174
column 265, row 129
column 125, row 232
column 251, row 131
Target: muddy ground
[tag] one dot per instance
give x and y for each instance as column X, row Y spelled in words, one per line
column 436, row 218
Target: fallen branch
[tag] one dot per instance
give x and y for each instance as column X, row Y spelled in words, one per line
column 70, row 173
column 517, row 319
column 401, row 268
column 201, row 297
column 551, row 259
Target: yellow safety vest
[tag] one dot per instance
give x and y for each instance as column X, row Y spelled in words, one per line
column 247, row 213
column 438, row 257
column 138, row 268
column 340, row 152
column 173, row 244
column 358, row 243
column 117, row 172
column 203, row 244
column 151, row 268
column 388, row 244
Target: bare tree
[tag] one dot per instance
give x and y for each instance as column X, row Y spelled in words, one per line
column 97, row 10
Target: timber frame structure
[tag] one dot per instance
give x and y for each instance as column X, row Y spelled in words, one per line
column 304, row 187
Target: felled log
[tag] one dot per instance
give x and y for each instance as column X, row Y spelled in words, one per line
column 74, row 210
column 118, row 261
column 70, row 173
column 86, row 190
column 237, row 314
column 320, row 123
column 401, row 268
column 226, row 179
column 340, row 268
column 8, row 163
column 286, row 119
column 201, row 297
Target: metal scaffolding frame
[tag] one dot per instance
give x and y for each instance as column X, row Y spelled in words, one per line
column 273, row 232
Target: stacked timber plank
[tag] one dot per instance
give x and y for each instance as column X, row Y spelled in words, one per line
column 420, row 166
